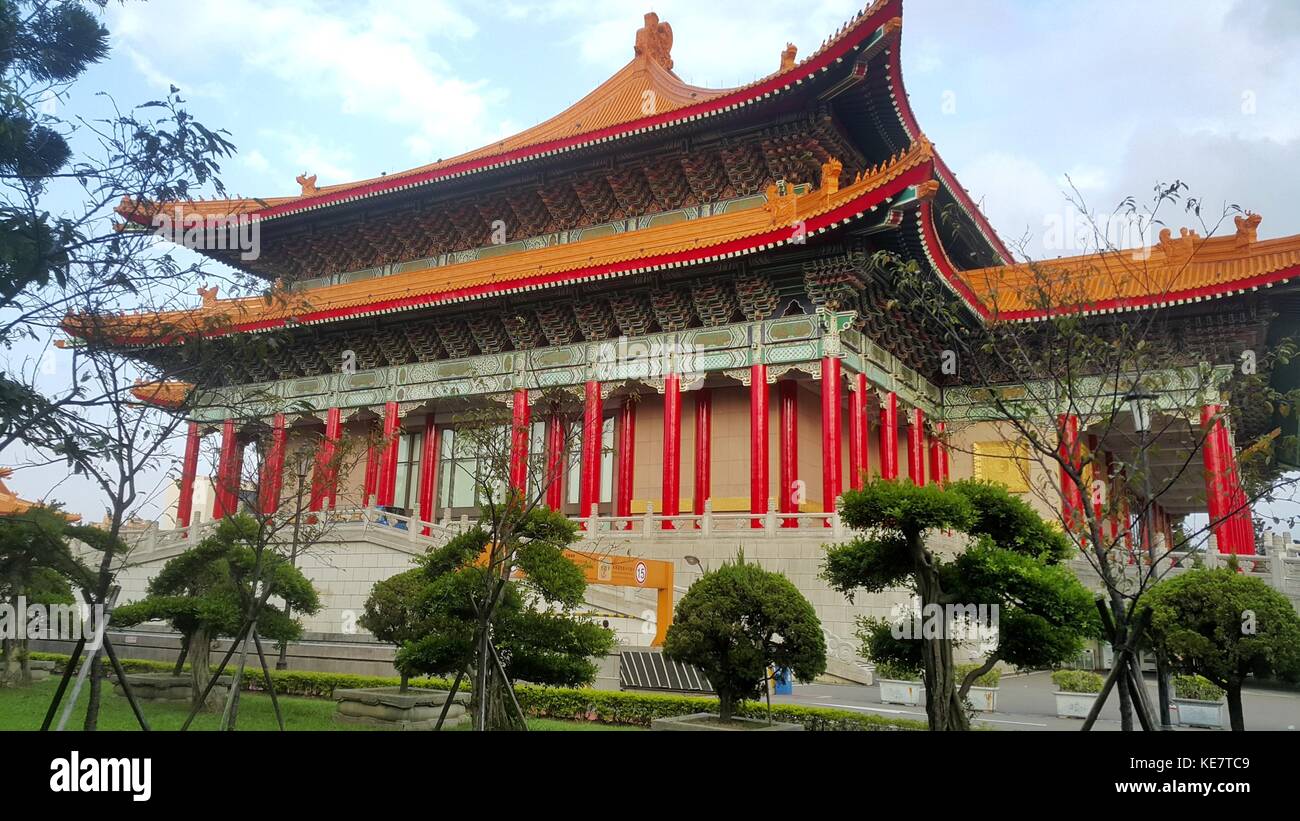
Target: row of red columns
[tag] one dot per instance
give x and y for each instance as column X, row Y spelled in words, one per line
column 1231, row 520
column 381, row 459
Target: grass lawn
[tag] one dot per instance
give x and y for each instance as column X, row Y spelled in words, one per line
column 23, row 708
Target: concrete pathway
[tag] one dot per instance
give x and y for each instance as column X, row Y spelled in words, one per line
column 1026, row 702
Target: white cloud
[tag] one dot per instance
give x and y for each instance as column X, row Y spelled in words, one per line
column 370, row 60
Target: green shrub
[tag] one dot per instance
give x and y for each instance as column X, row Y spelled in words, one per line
column 641, row 708
column 896, row 671
column 1197, row 688
column 607, row 707
column 1077, row 681
column 989, row 679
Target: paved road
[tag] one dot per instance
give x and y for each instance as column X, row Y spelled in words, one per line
column 1025, row 702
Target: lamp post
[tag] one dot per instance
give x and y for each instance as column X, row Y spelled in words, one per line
column 1139, row 404
column 302, row 468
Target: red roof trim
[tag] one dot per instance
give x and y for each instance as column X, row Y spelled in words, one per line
column 908, row 117
column 939, row 256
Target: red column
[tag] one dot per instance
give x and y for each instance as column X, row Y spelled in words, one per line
column 789, row 408
column 371, row 487
column 520, row 436
column 1071, row 496
column 589, row 489
column 858, row 431
column 272, row 477
column 703, row 448
column 626, row 458
column 387, row 489
column 889, row 436
column 939, row 455
column 189, row 469
column 831, row 474
column 555, row 460
column 672, row 485
column 758, row 486
column 229, row 466
column 1215, row 486
column 1243, row 519
column 916, row 447
column 324, row 483
column 429, row 472
column 1094, row 498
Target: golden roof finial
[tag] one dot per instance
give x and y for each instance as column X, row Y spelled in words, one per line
column 1246, row 228
column 655, row 41
column 308, row 184
column 831, row 170
column 787, row 56
column 209, row 295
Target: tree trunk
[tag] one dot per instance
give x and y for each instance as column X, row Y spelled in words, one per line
column 406, row 682
column 1236, row 716
column 726, row 705
column 200, row 644
column 10, row 673
column 24, row 663
column 96, row 692
column 943, row 707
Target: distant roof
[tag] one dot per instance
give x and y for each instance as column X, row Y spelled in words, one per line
column 11, row 505
column 1174, row 271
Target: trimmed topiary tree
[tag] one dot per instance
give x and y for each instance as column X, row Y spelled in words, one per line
column 205, row 592
column 736, row 622
column 1013, row 567
column 535, row 632
column 394, row 613
column 1226, row 627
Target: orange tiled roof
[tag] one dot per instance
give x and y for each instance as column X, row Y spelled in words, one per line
column 11, row 505
column 168, row 394
column 723, row 235
column 646, row 89
column 1187, row 268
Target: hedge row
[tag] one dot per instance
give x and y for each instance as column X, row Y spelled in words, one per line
column 605, row 706
column 287, row 682
column 612, row 707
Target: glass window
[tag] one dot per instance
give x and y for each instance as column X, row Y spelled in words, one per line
column 464, row 473
column 574, row 489
column 407, row 493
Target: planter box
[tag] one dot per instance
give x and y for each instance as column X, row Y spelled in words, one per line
column 908, row 693
column 41, row 670
column 709, row 721
column 168, row 689
column 1074, row 705
column 1195, row 713
column 983, row 699
column 389, row 708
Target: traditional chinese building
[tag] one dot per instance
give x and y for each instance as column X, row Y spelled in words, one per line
column 669, row 286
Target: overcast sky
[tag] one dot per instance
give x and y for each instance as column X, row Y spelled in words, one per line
column 1016, row 95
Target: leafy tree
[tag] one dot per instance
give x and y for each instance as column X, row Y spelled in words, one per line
column 1013, row 563
column 736, row 622
column 1226, row 627
column 477, row 612
column 394, row 612
column 207, row 591
column 37, row 565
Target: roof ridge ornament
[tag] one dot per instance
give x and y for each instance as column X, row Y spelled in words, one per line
column 1246, row 229
column 308, row 184
column 655, row 41
column 787, row 56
